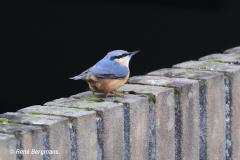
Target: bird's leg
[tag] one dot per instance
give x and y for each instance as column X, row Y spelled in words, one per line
column 118, row 94
column 105, row 95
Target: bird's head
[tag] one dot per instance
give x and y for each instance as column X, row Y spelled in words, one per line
column 121, row 56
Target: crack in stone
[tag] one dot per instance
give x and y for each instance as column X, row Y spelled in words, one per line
column 178, row 127
column 19, row 146
column 46, row 145
column 228, row 115
column 126, row 130
column 73, row 139
column 152, row 131
column 203, row 121
column 100, row 132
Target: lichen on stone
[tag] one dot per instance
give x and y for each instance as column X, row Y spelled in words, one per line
column 164, row 85
column 2, row 120
column 215, row 60
column 150, row 96
column 5, row 120
column 202, row 82
column 81, row 108
column 35, row 113
column 94, row 99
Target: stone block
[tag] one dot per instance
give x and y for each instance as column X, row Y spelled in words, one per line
column 53, row 127
column 233, row 50
column 139, row 127
column 232, row 101
column 7, row 146
column 27, row 138
column 231, row 58
column 137, row 144
column 110, row 124
column 162, row 103
column 207, row 112
column 82, row 129
column 186, row 112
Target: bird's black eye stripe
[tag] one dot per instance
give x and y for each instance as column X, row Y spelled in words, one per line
column 120, row 56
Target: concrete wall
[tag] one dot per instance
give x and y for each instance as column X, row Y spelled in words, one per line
column 188, row 112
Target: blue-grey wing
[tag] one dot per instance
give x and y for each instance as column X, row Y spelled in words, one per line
column 108, row 69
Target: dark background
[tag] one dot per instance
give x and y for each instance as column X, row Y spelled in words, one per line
column 44, row 43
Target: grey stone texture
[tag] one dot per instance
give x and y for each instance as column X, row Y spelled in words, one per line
column 54, row 128
column 185, row 73
column 210, row 105
column 7, row 147
column 112, row 117
column 163, row 103
column 136, row 117
column 232, row 74
column 27, row 138
column 208, row 66
column 82, row 127
column 235, row 50
column 187, row 113
column 137, row 123
column 232, row 58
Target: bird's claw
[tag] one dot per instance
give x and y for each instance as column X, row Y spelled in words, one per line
column 117, row 94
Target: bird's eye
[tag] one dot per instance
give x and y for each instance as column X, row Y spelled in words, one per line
column 120, row 56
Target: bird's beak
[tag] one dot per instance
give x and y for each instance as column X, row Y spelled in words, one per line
column 134, row 52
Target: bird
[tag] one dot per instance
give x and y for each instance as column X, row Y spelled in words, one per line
column 110, row 73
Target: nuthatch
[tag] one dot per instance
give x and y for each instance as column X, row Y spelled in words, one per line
column 109, row 73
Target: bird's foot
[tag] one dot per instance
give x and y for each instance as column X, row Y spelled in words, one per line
column 117, row 94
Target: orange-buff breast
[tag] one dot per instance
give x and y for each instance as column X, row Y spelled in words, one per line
column 107, row 85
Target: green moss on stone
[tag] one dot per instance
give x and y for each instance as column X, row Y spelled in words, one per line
column 164, row 85
column 81, row 108
column 202, row 82
column 94, row 99
column 2, row 120
column 176, row 91
column 150, row 96
column 35, row 113
column 5, row 120
column 215, row 60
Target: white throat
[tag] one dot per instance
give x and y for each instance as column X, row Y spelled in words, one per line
column 124, row 61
